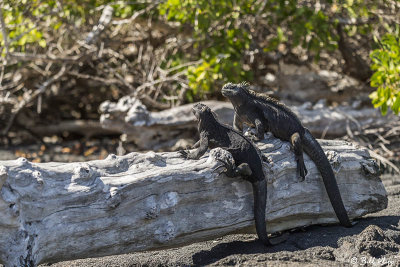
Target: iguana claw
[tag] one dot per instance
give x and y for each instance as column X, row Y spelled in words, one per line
column 184, row 153
column 218, row 171
column 228, row 168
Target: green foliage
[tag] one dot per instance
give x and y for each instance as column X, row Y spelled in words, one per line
column 25, row 19
column 224, row 31
column 310, row 28
column 386, row 64
column 220, row 34
column 21, row 30
column 218, row 37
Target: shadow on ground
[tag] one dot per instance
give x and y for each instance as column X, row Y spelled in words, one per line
column 299, row 240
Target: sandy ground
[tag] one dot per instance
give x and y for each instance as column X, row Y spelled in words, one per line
column 373, row 241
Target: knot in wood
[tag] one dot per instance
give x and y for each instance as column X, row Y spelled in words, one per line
column 334, row 159
column 38, row 176
column 14, row 209
column 166, row 232
column 82, row 172
column 22, row 161
column 111, row 157
column 114, row 197
column 169, row 200
column 370, row 168
column 152, row 208
column 286, row 146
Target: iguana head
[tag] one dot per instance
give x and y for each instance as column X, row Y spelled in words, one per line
column 235, row 92
column 200, row 111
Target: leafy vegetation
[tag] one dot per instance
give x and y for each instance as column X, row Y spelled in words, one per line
column 28, row 21
column 224, row 30
column 220, row 36
column 386, row 64
column 219, row 39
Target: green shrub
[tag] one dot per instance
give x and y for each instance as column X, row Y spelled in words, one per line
column 386, row 64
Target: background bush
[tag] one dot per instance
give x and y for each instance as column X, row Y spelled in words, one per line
column 171, row 52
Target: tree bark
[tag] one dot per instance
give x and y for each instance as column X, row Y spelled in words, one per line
column 141, row 201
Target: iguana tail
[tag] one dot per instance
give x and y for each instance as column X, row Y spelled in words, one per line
column 315, row 152
column 260, row 202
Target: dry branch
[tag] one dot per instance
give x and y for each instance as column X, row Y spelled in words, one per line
column 104, row 21
column 59, row 211
column 33, row 96
column 67, row 63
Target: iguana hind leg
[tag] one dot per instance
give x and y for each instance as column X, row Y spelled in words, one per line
column 232, row 171
column 297, row 146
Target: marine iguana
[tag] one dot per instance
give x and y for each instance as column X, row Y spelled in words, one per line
column 247, row 159
column 267, row 114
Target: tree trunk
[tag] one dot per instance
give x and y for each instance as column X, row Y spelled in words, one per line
column 141, row 201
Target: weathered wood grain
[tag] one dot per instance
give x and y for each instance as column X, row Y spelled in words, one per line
column 51, row 212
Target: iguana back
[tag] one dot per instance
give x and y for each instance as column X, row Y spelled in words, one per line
column 267, row 114
column 281, row 121
column 214, row 134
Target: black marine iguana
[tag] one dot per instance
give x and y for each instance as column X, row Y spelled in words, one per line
column 247, row 159
column 267, row 114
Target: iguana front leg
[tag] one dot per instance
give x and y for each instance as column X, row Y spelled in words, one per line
column 297, row 146
column 200, row 151
column 260, row 129
column 237, row 123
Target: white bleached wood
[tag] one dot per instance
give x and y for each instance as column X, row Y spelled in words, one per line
column 51, row 212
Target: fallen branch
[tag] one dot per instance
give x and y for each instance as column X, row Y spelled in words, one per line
column 51, row 212
column 156, row 130
column 338, row 120
column 148, row 129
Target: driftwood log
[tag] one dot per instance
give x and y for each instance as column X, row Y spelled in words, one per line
column 51, row 212
column 162, row 130
column 156, row 130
